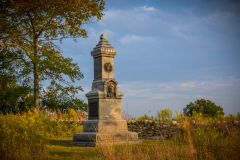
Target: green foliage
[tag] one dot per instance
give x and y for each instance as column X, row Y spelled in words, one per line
column 231, row 117
column 14, row 94
column 146, row 117
column 165, row 115
column 25, row 135
column 206, row 107
column 210, row 142
column 61, row 99
column 31, row 27
column 179, row 117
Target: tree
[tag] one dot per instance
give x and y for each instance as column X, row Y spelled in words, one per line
column 206, row 107
column 13, row 96
column 32, row 26
column 52, row 99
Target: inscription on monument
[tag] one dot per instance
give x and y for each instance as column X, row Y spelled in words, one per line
column 93, row 109
column 108, row 67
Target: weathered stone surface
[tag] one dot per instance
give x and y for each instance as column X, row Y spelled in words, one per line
column 235, row 122
column 104, row 125
column 218, row 122
column 105, row 136
column 174, row 122
column 150, row 132
column 192, row 122
column 145, row 122
column 167, row 124
column 156, row 138
column 94, row 144
column 110, row 109
column 169, row 131
column 179, row 124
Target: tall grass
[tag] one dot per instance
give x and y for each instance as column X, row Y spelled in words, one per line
column 25, row 135
column 203, row 142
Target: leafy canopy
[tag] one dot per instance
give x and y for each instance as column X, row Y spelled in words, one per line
column 14, row 94
column 30, row 27
column 206, row 107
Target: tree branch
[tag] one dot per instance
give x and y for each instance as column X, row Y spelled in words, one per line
column 31, row 20
column 13, row 44
column 40, row 32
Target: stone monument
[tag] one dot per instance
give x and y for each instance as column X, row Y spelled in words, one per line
column 105, row 123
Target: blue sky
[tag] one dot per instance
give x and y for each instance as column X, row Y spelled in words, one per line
column 169, row 53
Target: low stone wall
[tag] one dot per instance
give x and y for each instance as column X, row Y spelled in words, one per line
column 147, row 129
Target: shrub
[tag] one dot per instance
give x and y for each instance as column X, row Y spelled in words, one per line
column 25, row 135
column 165, row 115
column 145, row 117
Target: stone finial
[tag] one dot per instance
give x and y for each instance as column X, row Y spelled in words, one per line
column 103, row 48
column 103, row 36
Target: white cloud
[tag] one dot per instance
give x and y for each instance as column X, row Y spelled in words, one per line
column 131, row 39
column 168, row 88
column 148, row 8
column 150, row 90
column 187, row 85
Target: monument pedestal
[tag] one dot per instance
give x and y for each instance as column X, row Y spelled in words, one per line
column 105, row 124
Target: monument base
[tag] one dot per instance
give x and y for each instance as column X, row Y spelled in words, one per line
column 92, row 139
column 95, row 144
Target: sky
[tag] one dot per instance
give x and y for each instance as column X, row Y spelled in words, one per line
column 169, row 53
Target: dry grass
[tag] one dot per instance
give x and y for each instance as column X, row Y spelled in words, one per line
column 203, row 142
column 34, row 135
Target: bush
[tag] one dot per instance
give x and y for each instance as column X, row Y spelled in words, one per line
column 165, row 115
column 145, row 117
column 25, row 135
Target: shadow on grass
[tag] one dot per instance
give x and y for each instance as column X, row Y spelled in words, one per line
column 59, row 142
column 59, row 149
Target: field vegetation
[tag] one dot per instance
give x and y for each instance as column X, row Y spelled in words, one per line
column 45, row 135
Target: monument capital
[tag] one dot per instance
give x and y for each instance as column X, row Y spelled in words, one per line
column 103, row 48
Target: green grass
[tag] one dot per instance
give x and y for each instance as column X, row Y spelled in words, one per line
column 59, row 149
column 150, row 149
column 33, row 135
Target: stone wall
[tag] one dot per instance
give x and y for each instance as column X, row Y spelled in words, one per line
column 148, row 129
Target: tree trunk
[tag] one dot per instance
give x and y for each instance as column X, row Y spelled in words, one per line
column 36, row 87
column 36, row 76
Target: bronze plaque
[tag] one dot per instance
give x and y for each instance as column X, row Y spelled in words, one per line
column 93, row 109
column 108, row 67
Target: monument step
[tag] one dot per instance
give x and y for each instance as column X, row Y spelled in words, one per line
column 105, row 136
column 94, row 144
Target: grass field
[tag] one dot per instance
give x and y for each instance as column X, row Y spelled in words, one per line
column 34, row 135
column 198, row 146
column 59, row 149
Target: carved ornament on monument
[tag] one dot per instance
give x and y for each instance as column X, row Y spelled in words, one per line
column 108, row 67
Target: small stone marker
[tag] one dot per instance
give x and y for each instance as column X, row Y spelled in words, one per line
column 105, row 123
